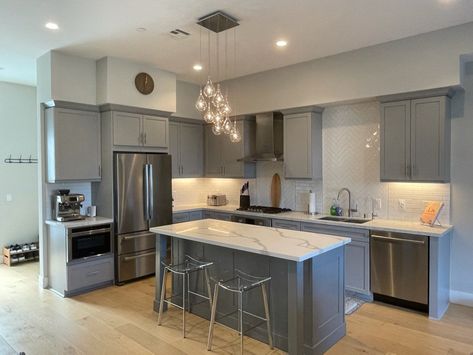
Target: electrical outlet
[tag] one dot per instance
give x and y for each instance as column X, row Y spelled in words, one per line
column 402, row 204
column 377, row 204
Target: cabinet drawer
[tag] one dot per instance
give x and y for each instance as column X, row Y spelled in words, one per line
column 360, row 235
column 180, row 217
column 222, row 216
column 89, row 274
column 284, row 224
column 195, row 216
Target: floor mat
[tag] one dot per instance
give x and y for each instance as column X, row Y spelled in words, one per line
column 352, row 304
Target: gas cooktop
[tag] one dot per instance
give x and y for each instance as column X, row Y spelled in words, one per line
column 264, row 209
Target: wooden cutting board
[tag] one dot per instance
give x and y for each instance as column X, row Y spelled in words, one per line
column 275, row 191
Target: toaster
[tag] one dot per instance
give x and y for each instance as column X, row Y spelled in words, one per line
column 216, row 200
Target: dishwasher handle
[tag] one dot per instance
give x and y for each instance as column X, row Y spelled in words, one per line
column 375, row 236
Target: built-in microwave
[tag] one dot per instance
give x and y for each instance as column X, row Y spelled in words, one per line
column 89, row 242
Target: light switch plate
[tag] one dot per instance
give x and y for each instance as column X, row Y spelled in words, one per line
column 377, row 204
column 9, row 197
column 402, row 203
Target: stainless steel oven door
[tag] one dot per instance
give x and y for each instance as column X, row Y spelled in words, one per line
column 88, row 242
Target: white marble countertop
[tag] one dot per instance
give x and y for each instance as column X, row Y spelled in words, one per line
column 278, row 243
column 88, row 221
column 390, row 225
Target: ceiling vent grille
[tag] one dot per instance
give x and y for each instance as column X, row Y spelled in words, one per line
column 179, row 34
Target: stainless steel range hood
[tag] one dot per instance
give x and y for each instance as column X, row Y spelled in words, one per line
column 269, row 138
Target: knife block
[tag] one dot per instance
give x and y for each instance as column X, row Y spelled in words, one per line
column 244, row 201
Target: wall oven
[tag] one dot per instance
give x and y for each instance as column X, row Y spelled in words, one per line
column 89, row 242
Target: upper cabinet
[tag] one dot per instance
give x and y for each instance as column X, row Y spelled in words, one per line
column 186, row 148
column 73, row 145
column 415, row 140
column 303, row 145
column 224, row 158
column 135, row 130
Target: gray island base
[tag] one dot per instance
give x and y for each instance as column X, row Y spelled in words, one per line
column 307, row 278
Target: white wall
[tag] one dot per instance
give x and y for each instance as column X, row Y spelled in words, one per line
column 421, row 62
column 462, row 192
column 186, row 96
column 18, row 218
column 116, row 85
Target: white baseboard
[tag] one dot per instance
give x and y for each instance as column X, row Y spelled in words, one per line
column 463, row 298
column 43, row 281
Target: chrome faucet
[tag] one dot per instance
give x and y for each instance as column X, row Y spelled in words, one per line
column 350, row 210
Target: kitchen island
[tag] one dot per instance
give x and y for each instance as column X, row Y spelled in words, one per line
column 307, row 277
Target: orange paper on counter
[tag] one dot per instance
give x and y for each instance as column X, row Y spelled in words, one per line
column 431, row 212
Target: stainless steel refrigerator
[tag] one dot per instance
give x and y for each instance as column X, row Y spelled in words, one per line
column 142, row 199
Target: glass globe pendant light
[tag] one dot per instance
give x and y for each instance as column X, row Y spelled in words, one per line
column 218, row 118
column 209, row 89
column 201, row 104
column 226, row 109
column 235, row 135
column 227, row 126
column 209, row 116
column 218, row 100
column 217, row 129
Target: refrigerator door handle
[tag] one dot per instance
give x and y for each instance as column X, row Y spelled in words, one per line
column 146, row 192
column 151, row 192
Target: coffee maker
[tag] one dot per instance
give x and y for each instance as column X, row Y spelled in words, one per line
column 66, row 207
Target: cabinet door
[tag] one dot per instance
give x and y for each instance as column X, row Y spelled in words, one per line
column 191, row 148
column 428, row 158
column 174, row 148
column 395, row 141
column 127, row 129
column 73, row 145
column 213, row 153
column 180, row 217
column 297, row 146
column 231, row 152
column 155, row 132
column 357, row 267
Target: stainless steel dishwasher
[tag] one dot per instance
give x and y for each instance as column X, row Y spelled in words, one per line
column 400, row 269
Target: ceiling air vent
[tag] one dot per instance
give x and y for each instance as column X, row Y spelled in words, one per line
column 179, row 34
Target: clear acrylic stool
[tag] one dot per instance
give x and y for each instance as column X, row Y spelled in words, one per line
column 184, row 269
column 240, row 284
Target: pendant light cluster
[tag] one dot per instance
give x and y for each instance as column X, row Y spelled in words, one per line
column 212, row 103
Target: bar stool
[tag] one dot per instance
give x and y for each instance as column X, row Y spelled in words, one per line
column 184, row 269
column 241, row 284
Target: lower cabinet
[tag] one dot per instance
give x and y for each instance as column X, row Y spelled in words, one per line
column 88, row 274
column 285, row 224
column 357, row 255
column 217, row 215
column 180, row 217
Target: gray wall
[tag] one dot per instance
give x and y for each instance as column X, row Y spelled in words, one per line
column 19, row 217
column 462, row 192
column 429, row 60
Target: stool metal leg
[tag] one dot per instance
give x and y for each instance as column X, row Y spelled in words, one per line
column 184, row 279
column 163, row 295
column 240, row 319
column 209, row 289
column 266, row 311
column 212, row 318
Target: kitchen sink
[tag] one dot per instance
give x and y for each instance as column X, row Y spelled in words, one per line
column 344, row 219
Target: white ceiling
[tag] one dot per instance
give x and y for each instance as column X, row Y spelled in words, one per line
column 314, row 29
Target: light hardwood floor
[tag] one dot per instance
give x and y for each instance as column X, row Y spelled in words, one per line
column 120, row 320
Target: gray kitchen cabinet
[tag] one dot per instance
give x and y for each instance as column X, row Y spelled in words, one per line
column 86, row 275
column 222, row 156
column 217, row 215
column 186, row 148
column 180, row 217
column 195, row 215
column 136, row 130
column 415, row 140
column 357, row 262
column 73, row 145
column 286, row 224
column 303, row 145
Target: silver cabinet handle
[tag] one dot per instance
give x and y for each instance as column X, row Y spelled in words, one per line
column 90, row 232
column 146, row 192
column 93, row 273
column 151, row 191
column 397, row 239
column 130, row 237
column 128, row 258
column 144, row 138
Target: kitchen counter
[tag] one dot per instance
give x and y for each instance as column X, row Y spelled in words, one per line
column 375, row 224
column 278, row 243
column 87, row 222
column 307, row 277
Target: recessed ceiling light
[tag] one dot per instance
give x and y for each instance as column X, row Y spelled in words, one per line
column 197, row 67
column 51, row 26
column 140, row 29
column 281, row 43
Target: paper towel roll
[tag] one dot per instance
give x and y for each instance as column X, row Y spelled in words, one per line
column 312, row 202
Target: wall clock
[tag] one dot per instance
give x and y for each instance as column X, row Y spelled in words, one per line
column 144, row 83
